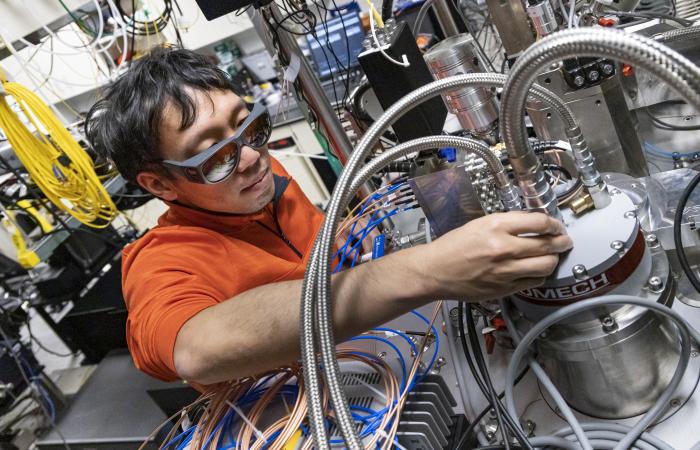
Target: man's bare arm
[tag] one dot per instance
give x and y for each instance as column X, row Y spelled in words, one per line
column 258, row 329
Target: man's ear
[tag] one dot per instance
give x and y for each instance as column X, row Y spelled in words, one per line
column 158, row 185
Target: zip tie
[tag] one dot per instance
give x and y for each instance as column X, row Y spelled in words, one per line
column 258, row 434
column 386, row 436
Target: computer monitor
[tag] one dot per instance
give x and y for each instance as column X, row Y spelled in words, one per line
column 337, row 28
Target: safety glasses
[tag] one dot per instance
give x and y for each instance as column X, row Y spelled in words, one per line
column 216, row 163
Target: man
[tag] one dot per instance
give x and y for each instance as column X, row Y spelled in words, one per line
column 213, row 292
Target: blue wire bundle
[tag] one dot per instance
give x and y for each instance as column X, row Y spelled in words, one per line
column 353, row 244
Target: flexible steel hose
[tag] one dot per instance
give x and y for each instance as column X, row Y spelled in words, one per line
column 681, row 34
column 648, row 54
column 316, row 286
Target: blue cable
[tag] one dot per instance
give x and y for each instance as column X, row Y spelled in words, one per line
column 402, row 335
column 352, row 235
column 655, row 150
column 390, row 344
column 180, row 436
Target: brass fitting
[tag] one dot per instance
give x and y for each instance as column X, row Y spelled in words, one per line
column 582, row 204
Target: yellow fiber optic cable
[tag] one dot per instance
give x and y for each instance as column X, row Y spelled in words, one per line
column 56, row 162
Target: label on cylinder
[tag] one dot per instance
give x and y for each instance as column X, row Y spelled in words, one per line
column 593, row 286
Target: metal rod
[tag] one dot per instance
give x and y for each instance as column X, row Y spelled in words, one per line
column 314, row 94
column 445, row 19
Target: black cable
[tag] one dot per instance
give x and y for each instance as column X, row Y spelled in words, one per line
column 653, row 15
column 478, row 378
column 472, row 426
column 557, row 168
column 41, row 346
column 387, row 9
column 481, row 364
column 27, row 380
column 677, row 238
column 663, row 125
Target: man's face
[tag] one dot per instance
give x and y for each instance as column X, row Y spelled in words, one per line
column 219, row 114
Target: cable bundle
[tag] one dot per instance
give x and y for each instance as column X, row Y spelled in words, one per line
column 391, row 200
column 54, row 159
column 238, row 414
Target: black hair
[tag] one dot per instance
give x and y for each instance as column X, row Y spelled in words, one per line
column 123, row 127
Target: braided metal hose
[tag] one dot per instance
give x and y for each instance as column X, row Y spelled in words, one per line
column 316, row 287
column 680, row 34
column 648, row 54
column 314, row 284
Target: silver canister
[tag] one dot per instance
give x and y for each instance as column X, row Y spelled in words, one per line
column 542, row 16
column 475, row 108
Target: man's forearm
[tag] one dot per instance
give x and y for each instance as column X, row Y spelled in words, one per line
column 259, row 329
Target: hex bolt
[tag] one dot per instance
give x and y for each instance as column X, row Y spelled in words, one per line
column 594, row 75
column 656, row 284
column 694, row 353
column 609, row 324
column 630, row 215
column 579, row 80
column 580, row 272
column 618, row 246
column 607, row 69
column 652, row 240
column 454, row 317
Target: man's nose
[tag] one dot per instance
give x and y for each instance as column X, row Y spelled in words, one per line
column 249, row 157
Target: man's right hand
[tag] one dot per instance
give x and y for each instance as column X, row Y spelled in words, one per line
column 493, row 256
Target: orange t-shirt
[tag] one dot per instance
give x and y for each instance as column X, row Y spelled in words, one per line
column 195, row 259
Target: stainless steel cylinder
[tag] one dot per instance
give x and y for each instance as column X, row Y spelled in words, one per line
column 613, row 367
column 542, row 16
column 475, row 108
column 610, row 362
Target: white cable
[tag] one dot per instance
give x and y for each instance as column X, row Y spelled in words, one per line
column 572, row 13
column 373, row 27
column 298, row 155
column 258, row 434
column 564, row 12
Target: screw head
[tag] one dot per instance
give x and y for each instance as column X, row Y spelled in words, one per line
column 630, row 215
column 694, row 354
column 617, row 245
column 381, row 355
column 615, row 191
column 607, row 69
column 594, row 75
column 652, row 239
column 656, row 283
column 579, row 271
column 608, row 324
column 675, row 403
column 440, row 362
column 579, row 80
